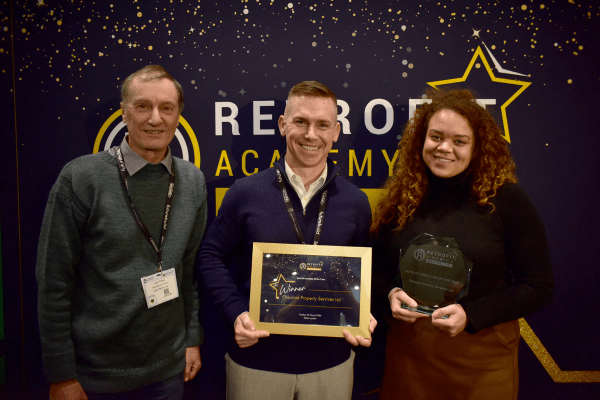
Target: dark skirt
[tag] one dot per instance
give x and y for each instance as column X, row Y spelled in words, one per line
column 424, row 363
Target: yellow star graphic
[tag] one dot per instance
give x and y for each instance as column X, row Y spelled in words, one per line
column 557, row 374
column 479, row 53
column 277, row 285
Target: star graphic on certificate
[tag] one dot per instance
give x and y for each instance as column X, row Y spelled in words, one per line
column 277, row 285
column 479, row 54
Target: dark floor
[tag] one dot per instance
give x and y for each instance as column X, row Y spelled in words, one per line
column 24, row 392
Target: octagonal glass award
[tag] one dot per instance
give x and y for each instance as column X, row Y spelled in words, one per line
column 434, row 272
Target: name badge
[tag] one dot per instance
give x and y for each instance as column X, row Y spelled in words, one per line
column 160, row 288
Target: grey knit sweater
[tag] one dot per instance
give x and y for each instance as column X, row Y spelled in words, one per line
column 94, row 322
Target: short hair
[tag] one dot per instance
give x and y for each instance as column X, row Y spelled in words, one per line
column 490, row 167
column 310, row 89
column 151, row 73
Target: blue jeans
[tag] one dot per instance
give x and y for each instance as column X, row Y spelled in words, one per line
column 169, row 389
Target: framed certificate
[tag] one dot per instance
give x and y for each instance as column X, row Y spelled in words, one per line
column 311, row 290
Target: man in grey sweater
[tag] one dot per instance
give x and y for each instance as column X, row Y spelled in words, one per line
column 118, row 310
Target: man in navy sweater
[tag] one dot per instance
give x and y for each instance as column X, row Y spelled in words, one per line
column 259, row 365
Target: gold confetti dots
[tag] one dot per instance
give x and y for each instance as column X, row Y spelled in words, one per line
column 570, row 81
column 139, row 14
column 23, row 30
column 523, row 7
column 150, row 47
column 59, row 22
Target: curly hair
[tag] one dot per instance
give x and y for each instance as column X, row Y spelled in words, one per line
column 491, row 163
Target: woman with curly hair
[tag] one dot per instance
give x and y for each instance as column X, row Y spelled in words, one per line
column 455, row 178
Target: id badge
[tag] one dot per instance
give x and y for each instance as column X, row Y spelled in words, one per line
column 160, row 287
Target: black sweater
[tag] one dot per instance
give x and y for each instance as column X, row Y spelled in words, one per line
column 512, row 275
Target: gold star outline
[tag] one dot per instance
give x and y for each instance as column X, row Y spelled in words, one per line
column 479, row 54
column 278, row 285
column 552, row 368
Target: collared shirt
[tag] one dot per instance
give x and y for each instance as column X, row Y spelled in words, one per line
column 298, row 184
column 134, row 162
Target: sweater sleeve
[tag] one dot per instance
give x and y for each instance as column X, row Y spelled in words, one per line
column 59, row 251
column 528, row 261
column 384, row 271
column 223, row 241
column 363, row 226
column 195, row 333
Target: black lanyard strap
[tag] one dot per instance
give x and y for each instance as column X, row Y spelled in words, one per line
column 138, row 219
column 292, row 213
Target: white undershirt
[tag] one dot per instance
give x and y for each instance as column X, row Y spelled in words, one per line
column 298, row 184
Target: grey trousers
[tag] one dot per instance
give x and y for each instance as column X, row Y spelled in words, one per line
column 252, row 384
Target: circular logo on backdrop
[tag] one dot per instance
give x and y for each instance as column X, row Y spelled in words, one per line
column 184, row 145
column 419, row 254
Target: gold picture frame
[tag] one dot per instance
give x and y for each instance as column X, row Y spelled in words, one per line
column 311, row 290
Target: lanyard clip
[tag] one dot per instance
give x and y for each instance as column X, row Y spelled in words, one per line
column 159, row 267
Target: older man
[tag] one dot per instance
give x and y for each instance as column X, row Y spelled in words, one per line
column 117, row 304
column 286, row 367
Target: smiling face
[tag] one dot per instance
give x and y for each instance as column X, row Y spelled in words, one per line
column 152, row 116
column 448, row 144
column 310, row 128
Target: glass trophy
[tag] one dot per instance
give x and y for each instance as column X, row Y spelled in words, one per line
column 434, row 272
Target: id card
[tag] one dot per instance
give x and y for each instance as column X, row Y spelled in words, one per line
column 160, row 287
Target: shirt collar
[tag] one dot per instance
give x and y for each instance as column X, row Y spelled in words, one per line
column 296, row 180
column 134, row 162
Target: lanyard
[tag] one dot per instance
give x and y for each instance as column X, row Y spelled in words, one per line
column 292, row 213
column 137, row 217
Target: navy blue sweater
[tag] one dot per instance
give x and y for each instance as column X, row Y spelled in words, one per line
column 253, row 211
